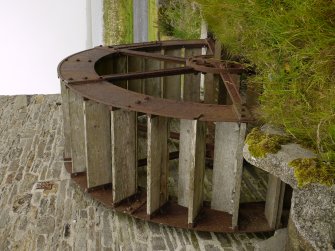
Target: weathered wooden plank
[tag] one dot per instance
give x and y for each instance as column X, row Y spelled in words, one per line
column 135, row 64
column 76, row 112
column 191, row 87
column 158, row 162
column 191, row 166
column 211, row 84
column 227, row 167
column 172, row 84
column 106, row 66
column 203, row 35
column 124, row 154
column 210, row 87
column 185, row 161
column 66, row 121
column 274, row 201
column 152, row 86
column 121, row 66
column 203, row 30
column 197, row 173
column 98, row 144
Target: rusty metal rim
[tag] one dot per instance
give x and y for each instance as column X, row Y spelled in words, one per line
column 116, row 97
column 90, row 85
column 138, row 75
column 154, row 45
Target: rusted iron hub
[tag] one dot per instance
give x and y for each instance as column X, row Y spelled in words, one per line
column 106, row 88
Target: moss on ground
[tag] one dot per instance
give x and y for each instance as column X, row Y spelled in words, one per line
column 118, row 21
column 260, row 143
column 152, row 22
column 313, row 170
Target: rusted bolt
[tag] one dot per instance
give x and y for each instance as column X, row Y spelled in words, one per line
column 66, row 59
column 89, row 60
column 138, row 102
column 85, row 78
column 78, row 60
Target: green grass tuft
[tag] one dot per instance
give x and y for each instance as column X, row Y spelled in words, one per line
column 118, row 21
column 179, row 19
column 152, row 22
column 292, row 43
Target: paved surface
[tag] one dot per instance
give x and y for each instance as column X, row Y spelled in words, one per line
column 276, row 243
column 140, row 20
column 42, row 209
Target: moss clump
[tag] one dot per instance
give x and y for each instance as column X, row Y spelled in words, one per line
column 313, row 170
column 261, row 143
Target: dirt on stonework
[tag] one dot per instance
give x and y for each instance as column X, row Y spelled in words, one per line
column 22, row 203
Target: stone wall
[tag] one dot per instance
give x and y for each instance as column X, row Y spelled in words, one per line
column 42, row 209
column 312, row 215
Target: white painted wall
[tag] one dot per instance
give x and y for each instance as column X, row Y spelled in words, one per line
column 36, row 35
column 94, row 20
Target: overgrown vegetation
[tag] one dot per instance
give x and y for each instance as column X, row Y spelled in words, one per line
column 292, row 43
column 152, row 22
column 313, row 170
column 179, row 19
column 260, row 143
column 118, row 21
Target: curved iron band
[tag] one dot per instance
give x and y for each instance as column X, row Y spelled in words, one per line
column 78, row 73
column 170, row 44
